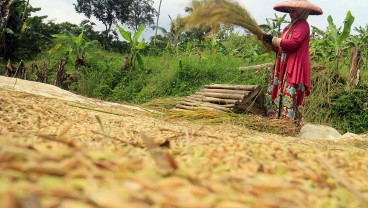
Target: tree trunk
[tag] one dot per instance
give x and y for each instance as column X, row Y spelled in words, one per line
column 158, row 17
column 354, row 68
column 5, row 14
column 25, row 11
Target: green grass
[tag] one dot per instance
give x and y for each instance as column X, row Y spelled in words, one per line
column 181, row 75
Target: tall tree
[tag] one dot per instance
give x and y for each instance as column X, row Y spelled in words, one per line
column 158, row 17
column 106, row 11
column 12, row 16
column 141, row 12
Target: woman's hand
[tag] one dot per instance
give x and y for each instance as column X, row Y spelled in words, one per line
column 267, row 38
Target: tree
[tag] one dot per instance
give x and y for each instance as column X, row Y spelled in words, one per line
column 35, row 37
column 158, row 17
column 135, row 45
column 12, row 16
column 141, row 12
column 78, row 47
column 337, row 37
column 106, row 11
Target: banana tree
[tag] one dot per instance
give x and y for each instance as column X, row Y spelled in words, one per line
column 331, row 44
column 336, row 38
column 319, row 46
column 135, row 45
column 78, row 47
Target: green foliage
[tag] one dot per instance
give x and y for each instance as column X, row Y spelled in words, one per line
column 332, row 42
column 330, row 103
column 78, row 46
column 94, row 84
column 34, row 38
column 182, row 75
column 335, row 35
column 12, row 18
column 360, row 41
column 349, row 111
column 75, row 45
column 102, row 76
column 135, row 45
column 273, row 26
column 317, row 108
column 130, row 87
column 247, row 47
column 105, row 11
column 141, row 12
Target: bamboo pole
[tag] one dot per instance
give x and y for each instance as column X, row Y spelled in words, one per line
column 220, row 95
column 202, row 107
column 230, row 86
column 197, row 103
column 241, row 92
column 256, row 67
column 212, row 100
column 209, row 105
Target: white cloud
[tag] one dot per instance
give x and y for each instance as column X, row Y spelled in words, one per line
column 59, row 11
column 63, row 10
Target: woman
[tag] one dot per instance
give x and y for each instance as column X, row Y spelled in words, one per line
column 291, row 78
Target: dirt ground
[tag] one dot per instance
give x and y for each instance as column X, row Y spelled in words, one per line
column 58, row 149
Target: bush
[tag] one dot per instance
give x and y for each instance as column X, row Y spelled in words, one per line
column 349, row 111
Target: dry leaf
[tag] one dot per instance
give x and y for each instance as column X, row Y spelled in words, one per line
column 8, row 200
column 164, row 160
column 65, row 130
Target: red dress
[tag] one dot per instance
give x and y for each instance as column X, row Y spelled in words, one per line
column 291, row 77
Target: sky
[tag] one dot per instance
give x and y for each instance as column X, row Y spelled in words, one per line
column 63, row 11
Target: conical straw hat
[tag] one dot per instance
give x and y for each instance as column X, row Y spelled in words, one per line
column 298, row 4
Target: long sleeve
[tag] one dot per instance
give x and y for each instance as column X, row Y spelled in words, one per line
column 296, row 47
column 299, row 33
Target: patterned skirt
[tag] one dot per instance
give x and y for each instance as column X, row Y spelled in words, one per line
column 285, row 101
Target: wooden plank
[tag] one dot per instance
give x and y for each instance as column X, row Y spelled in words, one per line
column 227, row 91
column 225, row 97
column 257, row 111
column 198, row 103
column 230, row 86
column 202, row 107
column 256, row 67
column 223, row 105
column 217, row 107
column 252, row 107
column 251, row 96
column 212, row 100
column 186, row 102
column 222, row 96
column 260, row 99
column 246, row 106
